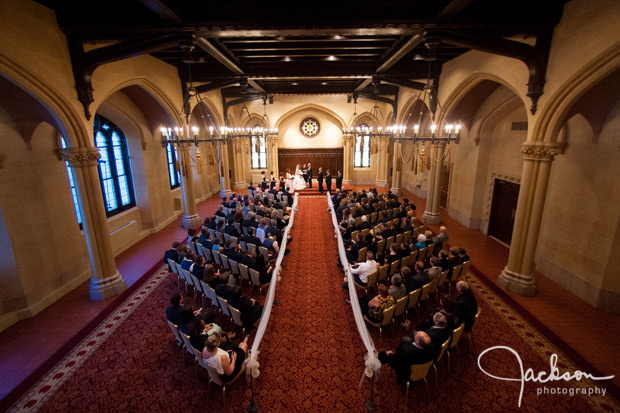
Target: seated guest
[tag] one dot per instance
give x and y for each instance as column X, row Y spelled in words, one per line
column 198, row 267
column 410, row 283
column 444, row 263
column 204, row 236
column 406, row 225
column 227, row 363
column 173, row 254
column 466, row 305
column 361, row 271
column 353, row 249
column 212, row 222
column 435, row 270
column 200, row 330
column 225, row 203
column 173, row 312
column 408, row 353
column 429, row 237
column 394, row 253
column 421, row 241
column 447, row 307
column 191, row 235
column 397, row 289
column 271, row 243
column 373, row 307
column 439, row 332
column 223, row 289
column 454, row 257
column 188, row 260
column 251, row 238
column 251, row 311
column 421, row 276
column 442, row 238
column 463, row 254
column 210, row 276
column 364, row 224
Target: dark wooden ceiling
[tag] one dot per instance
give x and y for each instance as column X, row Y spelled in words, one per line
column 313, row 47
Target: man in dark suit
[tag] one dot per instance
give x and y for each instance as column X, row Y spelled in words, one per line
column 173, row 312
column 230, row 228
column 339, row 180
column 319, row 179
column 309, row 175
column 173, row 254
column 421, row 276
column 328, row 181
column 224, row 290
column 466, row 305
column 439, row 333
column 408, row 353
column 251, row 238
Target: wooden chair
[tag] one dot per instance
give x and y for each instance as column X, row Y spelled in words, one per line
column 234, row 267
column 438, row 359
column 224, row 306
column 413, row 257
column 401, row 305
column 188, row 346
column 454, row 340
column 405, row 261
column 406, row 236
column 372, row 281
column 177, row 334
column 198, row 288
column 265, row 253
column 424, row 294
column 244, row 246
column 365, row 232
column 414, row 297
column 373, row 217
column 173, row 265
column 394, row 267
column 208, row 255
column 434, row 287
column 465, row 268
column 244, row 271
column 361, row 254
column 399, row 239
column 236, row 316
column 418, row 372
column 442, row 280
column 217, row 258
column 421, row 254
column 380, row 246
column 383, row 272
column 388, row 314
column 470, row 333
column 389, row 242
column 225, row 263
column 255, row 277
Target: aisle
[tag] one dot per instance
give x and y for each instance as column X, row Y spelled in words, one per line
column 311, row 353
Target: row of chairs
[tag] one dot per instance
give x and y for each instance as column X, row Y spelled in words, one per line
column 184, row 343
column 206, row 291
column 414, row 299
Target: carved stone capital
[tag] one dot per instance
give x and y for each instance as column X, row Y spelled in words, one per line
column 540, row 151
column 81, row 157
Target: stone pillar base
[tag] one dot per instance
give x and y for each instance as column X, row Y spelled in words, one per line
column 190, row 221
column 431, row 218
column 524, row 285
column 240, row 185
column 100, row 290
column 383, row 184
column 397, row 191
column 347, row 181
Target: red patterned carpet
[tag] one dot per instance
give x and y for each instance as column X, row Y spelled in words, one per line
column 311, row 358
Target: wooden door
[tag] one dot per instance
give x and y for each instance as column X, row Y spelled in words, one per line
column 503, row 210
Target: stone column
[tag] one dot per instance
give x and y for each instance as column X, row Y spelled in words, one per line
column 432, row 214
column 518, row 275
column 239, row 163
column 382, row 161
column 190, row 213
column 222, row 151
column 397, row 168
column 272, row 155
column 106, row 281
column 347, row 154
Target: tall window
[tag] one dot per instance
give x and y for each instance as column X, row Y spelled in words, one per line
column 114, row 169
column 259, row 152
column 72, row 184
column 173, row 173
column 362, row 150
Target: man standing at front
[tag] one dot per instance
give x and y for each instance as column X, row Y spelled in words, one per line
column 309, row 175
column 319, row 179
column 339, row 181
column 328, row 181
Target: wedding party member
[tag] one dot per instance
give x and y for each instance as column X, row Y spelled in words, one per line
column 263, row 183
column 304, row 172
column 319, row 179
column 339, row 181
column 309, row 175
column 272, row 181
column 328, row 181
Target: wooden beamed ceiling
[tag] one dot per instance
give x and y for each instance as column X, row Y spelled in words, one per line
column 319, row 47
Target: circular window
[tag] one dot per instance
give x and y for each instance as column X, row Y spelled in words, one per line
column 310, row 127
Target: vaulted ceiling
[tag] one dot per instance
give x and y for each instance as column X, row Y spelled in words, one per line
column 253, row 49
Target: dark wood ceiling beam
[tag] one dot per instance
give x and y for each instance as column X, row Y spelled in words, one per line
column 452, row 9
column 163, row 11
column 404, row 30
column 205, row 45
column 402, row 82
column 401, row 52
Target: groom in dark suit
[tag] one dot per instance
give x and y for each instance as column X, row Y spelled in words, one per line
column 339, row 180
column 309, row 175
column 328, row 181
column 319, row 179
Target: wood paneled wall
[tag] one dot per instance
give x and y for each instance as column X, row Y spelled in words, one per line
column 327, row 158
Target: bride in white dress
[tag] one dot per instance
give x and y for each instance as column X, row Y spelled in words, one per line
column 298, row 180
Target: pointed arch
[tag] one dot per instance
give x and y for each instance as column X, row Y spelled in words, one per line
column 311, row 106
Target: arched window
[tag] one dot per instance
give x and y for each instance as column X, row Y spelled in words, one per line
column 72, row 184
column 173, row 173
column 259, row 151
column 362, row 150
column 114, row 168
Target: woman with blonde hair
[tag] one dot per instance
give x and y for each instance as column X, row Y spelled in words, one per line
column 227, row 363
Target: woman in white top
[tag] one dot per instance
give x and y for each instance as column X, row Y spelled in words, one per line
column 227, row 363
